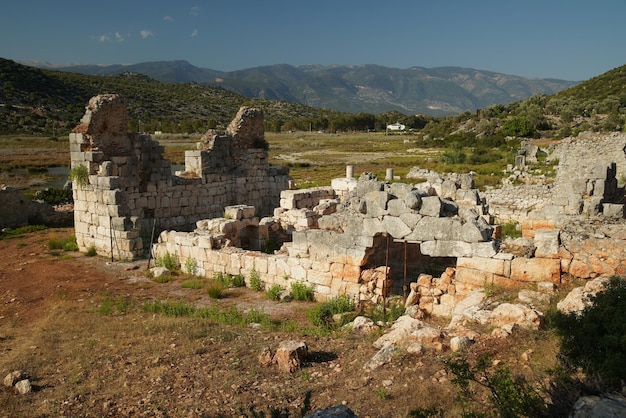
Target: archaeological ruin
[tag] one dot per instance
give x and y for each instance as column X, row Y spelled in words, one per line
column 230, row 212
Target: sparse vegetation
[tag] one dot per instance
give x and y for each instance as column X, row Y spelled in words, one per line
column 168, row 260
column 322, row 314
column 273, row 292
column 255, row 281
column 65, row 244
column 301, row 291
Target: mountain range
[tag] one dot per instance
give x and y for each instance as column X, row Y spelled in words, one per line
column 372, row 89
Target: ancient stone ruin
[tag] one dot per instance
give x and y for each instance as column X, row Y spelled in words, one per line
column 130, row 193
column 435, row 241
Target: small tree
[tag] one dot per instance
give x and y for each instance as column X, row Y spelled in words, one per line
column 594, row 339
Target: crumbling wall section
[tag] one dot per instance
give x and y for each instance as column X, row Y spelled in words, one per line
column 130, row 192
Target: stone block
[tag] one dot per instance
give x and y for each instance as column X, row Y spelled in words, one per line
column 395, row 227
column 446, row 249
column 484, row 249
column 547, row 243
column 489, row 265
column 431, row 206
column 536, row 270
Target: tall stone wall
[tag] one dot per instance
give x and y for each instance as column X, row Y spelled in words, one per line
column 130, row 192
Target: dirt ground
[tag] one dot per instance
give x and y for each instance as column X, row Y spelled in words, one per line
column 84, row 362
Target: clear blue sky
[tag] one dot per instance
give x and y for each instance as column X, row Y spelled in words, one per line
column 564, row 39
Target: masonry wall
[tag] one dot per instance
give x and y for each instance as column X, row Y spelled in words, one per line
column 131, row 194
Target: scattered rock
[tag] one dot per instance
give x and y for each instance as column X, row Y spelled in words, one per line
column 363, row 325
column 339, row 411
column 160, row 272
column 400, row 330
column 383, row 356
column 458, row 343
column 23, row 387
column 12, row 378
column 290, row 355
column 522, row 315
column 580, row 297
column 605, row 406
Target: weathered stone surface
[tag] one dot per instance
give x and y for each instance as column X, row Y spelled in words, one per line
column 580, row 297
column 604, row 406
column 23, row 387
column 431, row 206
column 547, row 243
column 395, row 227
column 476, row 230
column 290, row 355
column 473, row 301
column 536, row 270
column 363, row 325
column 446, row 248
column 459, row 343
column 382, row 357
column 522, row 315
column 160, row 272
column 399, row 331
column 339, row 411
column 12, row 378
column 427, row 335
column 413, row 200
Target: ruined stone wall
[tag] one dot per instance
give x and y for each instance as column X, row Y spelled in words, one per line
column 589, row 167
column 130, row 189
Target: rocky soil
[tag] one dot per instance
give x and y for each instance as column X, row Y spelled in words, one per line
column 83, row 360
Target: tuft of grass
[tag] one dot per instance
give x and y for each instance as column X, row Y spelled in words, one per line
column 65, row 244
column 215, row 289
column 302, row 291
column 511, row 230
column 193, row 283
column 91, row 251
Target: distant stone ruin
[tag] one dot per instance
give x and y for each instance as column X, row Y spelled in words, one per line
column 130, row 192
column 231, row 213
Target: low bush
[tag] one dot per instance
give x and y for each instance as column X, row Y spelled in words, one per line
column 168, row 260
column 273, row 293
column 215, row 289
column 301, row 291
column 594, row 339
column 255, row 281
column 321, row 315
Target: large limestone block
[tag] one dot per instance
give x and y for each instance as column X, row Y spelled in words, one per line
column 431, row 206
column 489, row 265
column 413, row 200
column 476, row 230
column 400, row 189
column 516, row 314
column 430, row 228
column 396, row 207
column 536, row 270
column 395, row 227
column 376, row 203
column 446, row 248
column 547, row 243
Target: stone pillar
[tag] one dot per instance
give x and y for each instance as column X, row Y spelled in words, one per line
column 349, row 171
column 520, row 162
column 389, row 174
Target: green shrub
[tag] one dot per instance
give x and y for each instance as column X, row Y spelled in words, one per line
column 55, row 196
column 273, row 293
column 237, row 281
column 79, row 175
column 255, row 281
column 321, row 315
column 453, row 157
column 594, row 339
column 65, row 244
column 168, row 260
column 191, row 266
column 387, row 313
column 301, row 291
column 91, row 251
column 509, row 395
